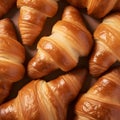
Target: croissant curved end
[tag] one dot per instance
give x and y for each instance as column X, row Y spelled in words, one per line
column 40, row 65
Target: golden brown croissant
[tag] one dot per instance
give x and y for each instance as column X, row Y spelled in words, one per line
column 33, row 14
column 12, row 55
column 102, row 101
column 107, row 45
column 97, row 8
column 69, row 40
column 40, row 100
column 5, row 5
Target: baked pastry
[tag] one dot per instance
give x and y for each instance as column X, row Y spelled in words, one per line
column 70, row 39
column 97, row 8
column 102, row 101
column 41, row 100
column 12, row 55
column 107, row 45
column 33, row 14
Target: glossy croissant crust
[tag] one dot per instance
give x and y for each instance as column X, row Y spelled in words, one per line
column 12, row 55
column 69, row 40
column 97, row 8
column 107, row 45
column 33, row 14
column 102, row 101
column 5, row 5
column 40, row 100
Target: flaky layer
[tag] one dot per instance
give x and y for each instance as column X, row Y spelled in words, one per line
column 33, row 14
column 44, row 100
column 107, row 43
column 102, row 101
column 68, row 41
column 12, row 56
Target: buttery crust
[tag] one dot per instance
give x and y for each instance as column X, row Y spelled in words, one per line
column 41, row 100
column 107, row 44
column 68, row 41
column 97, row 8
column 33, row 14
column 102, row 101
column 12, row 55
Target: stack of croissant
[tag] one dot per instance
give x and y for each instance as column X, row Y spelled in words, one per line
column 59, row 79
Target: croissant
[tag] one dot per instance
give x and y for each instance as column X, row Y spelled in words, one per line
column 33, row 14
column 5, row 5
column 107, row 45
column 97, row 8
column 102, row 101
column 69, row 40
column 12, row 55
column 41, row 100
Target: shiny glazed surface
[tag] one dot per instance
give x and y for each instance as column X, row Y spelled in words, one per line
column 30, row 51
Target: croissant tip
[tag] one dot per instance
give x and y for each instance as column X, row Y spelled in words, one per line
column 27, row 38
column 27, row 42
column 96, row 70
column 38, row 69
column 33, row 73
